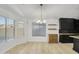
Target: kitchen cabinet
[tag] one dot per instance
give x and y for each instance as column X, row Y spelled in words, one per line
column 66, row 25
column 76, row 25
column 53, row 38
column 65, row 39
column 75, row 43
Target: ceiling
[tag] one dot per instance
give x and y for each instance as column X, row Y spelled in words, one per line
column 50, row 11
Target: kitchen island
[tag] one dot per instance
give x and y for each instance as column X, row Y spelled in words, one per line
column 75, row 43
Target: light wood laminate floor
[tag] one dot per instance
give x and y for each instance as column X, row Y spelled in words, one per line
column 42, row 48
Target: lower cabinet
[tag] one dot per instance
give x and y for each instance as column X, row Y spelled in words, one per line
column 53, row 38
column 65, row 39
column 76, row 44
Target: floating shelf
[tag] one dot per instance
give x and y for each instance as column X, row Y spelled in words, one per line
column 52, row 29
column 52, row 24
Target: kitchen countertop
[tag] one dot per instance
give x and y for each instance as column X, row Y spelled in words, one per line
column 77, row 37
column 69, row 34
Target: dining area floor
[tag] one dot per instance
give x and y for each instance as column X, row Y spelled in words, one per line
column 42, row 48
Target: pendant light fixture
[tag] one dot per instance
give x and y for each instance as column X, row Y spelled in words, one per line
column 41, row 20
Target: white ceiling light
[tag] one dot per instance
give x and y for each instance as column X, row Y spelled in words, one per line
column 44, row 21
column 41, row 18
column 38, row 21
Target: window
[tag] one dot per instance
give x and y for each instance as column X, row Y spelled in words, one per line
column 38, row 29
column 2, row 29
column 10, row 29
column 6, row 28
